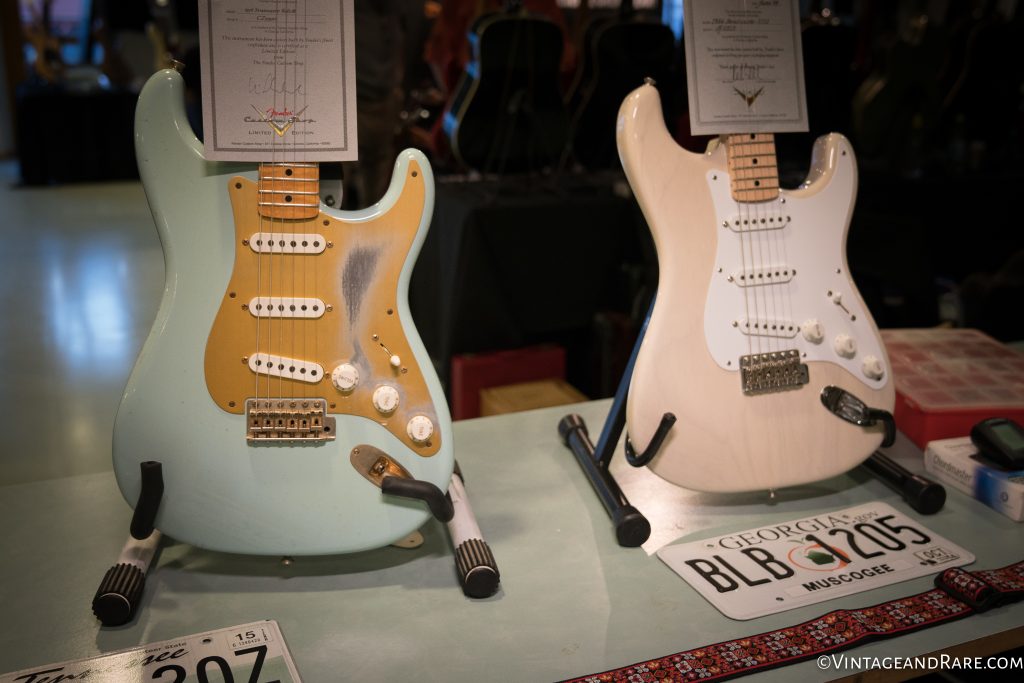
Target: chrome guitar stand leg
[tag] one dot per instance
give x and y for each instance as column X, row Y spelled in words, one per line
column 120, row 591
column 631, row 528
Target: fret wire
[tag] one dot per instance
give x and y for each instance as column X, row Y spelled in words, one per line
column 298, row 192
column 750, row 178
column 752, row 186
column 749, row 156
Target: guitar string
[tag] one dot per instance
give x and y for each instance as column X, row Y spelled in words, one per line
column 299, row 325
column 315, row 325
column 757, row 261
column 749, row 227
column 780, row 240
column 778, row 266
column 740, row 226
column 298, row 198
column 302, row 260
column 748, row 240
column 262, row 173
column 769, row 326
column 764, row 265
column 771, row 316
column 771, row 244
column 275, row 185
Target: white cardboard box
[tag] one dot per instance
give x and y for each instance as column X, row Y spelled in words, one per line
column 954, row 462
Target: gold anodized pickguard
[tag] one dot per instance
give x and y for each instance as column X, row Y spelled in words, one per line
column 356, row 277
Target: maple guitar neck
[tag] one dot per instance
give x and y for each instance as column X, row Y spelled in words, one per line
column 753, row 169
column 289, row 191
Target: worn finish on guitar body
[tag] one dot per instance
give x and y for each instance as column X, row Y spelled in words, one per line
column 287, row 490
column 715, row 221
column 357, row 279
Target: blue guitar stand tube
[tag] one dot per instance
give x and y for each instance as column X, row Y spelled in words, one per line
column 120, row 591
column 631, row 528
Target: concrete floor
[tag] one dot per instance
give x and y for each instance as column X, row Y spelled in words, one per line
column 81, row 273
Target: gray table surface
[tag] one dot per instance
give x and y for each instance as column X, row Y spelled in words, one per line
column 572, row 602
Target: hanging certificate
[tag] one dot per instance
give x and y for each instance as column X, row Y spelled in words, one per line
column 278, row 80
column 744, row 66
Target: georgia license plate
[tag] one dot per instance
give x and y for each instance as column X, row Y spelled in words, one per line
column 250, row 652
column 779, row 567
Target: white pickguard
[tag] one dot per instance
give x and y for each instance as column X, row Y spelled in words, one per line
column 808, row 255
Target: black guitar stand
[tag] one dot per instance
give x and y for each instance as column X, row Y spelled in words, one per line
column 120, row 591
column 474, row 561
column 632, row 529
column 921, row 493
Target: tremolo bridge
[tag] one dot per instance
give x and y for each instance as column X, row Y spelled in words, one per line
column 763, row 373
column 288, row 419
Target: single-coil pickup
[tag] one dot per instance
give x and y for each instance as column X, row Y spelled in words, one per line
column 772, row 275
column 758, row 220
column 289, row 368
column 767, row 328
column 285, row 307
column 287, row 243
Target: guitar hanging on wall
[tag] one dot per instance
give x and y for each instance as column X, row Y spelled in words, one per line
column 283, row 378
column 758, row 342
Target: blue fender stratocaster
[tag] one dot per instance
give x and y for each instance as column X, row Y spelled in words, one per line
column 283, row 377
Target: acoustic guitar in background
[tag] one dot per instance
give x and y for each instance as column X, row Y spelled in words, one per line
column 617, row 52
column 507, row 114
column 283, row 377
column 758, row 341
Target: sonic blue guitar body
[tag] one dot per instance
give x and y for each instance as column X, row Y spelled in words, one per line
column 256, row 458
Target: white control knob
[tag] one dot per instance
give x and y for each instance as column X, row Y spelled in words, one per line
column 345, row 377
column 395, row 361
column 872, row 368
column 845, row 346
column 813, row 331
column 420, row 429
column 385, row 399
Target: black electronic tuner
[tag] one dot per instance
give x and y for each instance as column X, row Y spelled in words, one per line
column 1001, row 440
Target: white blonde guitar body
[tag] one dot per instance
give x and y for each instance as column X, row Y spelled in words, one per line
column 705, row 314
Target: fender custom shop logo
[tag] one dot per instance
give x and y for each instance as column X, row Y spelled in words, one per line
column 749, row 97
column 279, row 121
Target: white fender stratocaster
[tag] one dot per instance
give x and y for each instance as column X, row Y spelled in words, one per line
column 283, row 377
column 756, row 313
